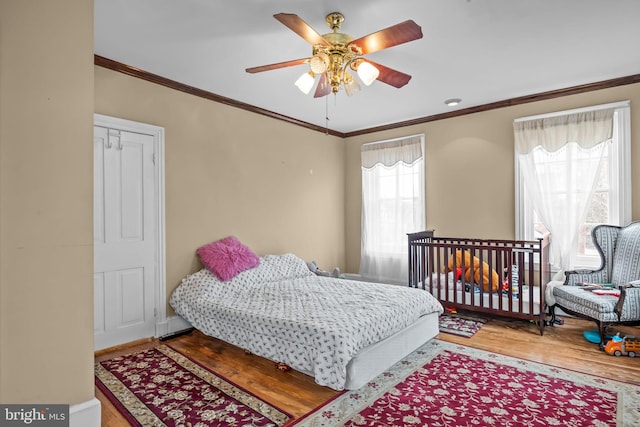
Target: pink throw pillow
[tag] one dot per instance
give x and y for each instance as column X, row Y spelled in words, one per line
column 227, row 257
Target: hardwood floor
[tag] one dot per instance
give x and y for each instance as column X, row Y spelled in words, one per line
column 562, row 345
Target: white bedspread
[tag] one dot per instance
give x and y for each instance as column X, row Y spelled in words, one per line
column 282, row 311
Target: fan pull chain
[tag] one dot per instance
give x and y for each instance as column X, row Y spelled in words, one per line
column 326, row 115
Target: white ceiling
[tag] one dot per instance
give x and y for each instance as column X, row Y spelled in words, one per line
column 482, row 51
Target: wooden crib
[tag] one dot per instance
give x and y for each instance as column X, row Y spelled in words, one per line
column 522, row 269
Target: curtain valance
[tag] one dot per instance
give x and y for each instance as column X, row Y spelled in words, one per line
column 388, row 153
column 587, row 129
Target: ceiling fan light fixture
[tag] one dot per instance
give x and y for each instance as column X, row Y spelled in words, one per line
column 333, row 53
column 319, row 62
column 305, row 82
column 351, row 85
column 367, row 73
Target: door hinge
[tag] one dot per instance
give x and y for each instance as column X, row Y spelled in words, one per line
column 114, row 137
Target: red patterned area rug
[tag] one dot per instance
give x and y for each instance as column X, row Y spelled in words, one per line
column 161, row 387
column 445, row 384
column 462, row 325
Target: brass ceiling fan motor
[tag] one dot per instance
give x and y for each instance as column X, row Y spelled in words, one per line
column 335, row 54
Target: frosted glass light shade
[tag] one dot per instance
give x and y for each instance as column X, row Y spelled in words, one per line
column 305, row 83
column 351, row 85
column 367, row 73
column 319, row 62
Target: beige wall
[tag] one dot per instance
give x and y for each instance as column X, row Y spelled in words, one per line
column 277, row 187
column 46, row 222
column 469, row 169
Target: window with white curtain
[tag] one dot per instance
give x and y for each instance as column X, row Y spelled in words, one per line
column 392, row 205
column 572, row 172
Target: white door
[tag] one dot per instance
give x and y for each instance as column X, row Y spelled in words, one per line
column 124, row 237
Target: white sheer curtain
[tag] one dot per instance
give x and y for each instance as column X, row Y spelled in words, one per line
column 392, row 206
column 559, row 159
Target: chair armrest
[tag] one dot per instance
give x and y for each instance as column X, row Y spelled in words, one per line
column 574, row 277
column 628, row 305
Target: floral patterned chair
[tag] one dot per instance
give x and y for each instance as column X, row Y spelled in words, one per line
column 619, row 249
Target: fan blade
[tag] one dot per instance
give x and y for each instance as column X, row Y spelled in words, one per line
column 301, row 28
column 390, row 76
column 392, row 36
column 278, row 65
column 323, row 88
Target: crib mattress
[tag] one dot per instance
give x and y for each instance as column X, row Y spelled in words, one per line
column 447, row 289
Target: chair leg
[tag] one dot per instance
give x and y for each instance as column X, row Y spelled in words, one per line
column 552, row 313
column 602, row 328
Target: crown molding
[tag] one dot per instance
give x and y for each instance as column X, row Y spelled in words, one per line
column 573, row 90
column 154, row 78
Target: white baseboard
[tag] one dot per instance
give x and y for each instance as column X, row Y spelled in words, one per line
column 162, row 328
column 86, row 414
column 173, row 324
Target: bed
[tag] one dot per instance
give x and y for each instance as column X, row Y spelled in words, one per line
column 342, row 332
column 500, row 277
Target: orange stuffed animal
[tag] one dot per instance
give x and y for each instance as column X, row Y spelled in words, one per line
column 472, row 266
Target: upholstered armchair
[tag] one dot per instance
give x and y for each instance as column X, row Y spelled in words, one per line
column 619, row 249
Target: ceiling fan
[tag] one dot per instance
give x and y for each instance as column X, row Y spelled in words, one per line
column 335, row 54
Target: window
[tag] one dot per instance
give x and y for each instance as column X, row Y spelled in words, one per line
column 392, row 205
column 572, row 173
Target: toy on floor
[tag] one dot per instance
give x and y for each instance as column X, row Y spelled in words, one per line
column 282, row 367
column 619, row 346
column 593, row 336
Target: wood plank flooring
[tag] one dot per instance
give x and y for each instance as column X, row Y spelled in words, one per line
column 562, row 345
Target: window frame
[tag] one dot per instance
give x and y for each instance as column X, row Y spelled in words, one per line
column 619, row 177
column 421, row 199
